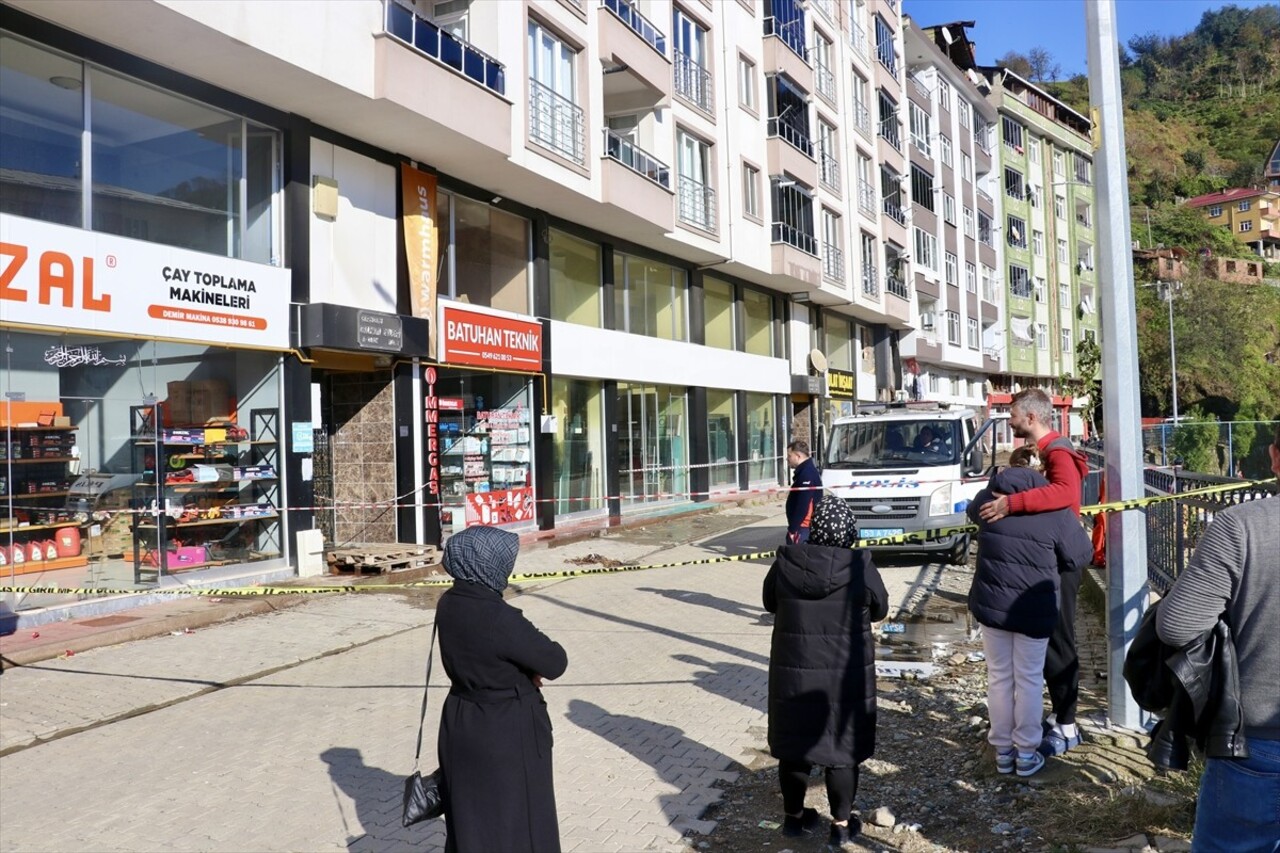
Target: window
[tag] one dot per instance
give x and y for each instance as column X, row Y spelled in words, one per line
column 1016, row 232
column 717, row 307
column 789, row 113
column 750, row 191
column 1019, row 281
column 1037, row 243
column 762, row 442
column 884, row 46
column 452, row 17
column 697, row 199
column 921, row 187
column 966, row 166
column 984, row 229
column 987, row 276
column 889, row 119
column 1084, row 169
column 1060, row 207
column 1012, row 133
column 963, row 108
column 1215, row 211
column 1084, row 256
column 1063, row 257
column 722, row 423
column 949, row 208
column 785, row 19
column 944, row 144
column 832, row 254
column 1246, row 225
column 891, row 193
column 953, row 328
column 868, row 343
column 823, row 79
column 944, row 94
column 1244, row 206
column 828, row 162
column 928, row 319
column 757, row 321
column 1013, row 185
column 870, row 279
column 1064, row 294
column 1040, row 295
column 926, row 249
column 866, row 185
column 1058, row 168
column 970, row 277
column 690, row 66
column 555, row 119
column 1042, row 336
column 649, row 298
column 974, row 340
column 793, row 216
column 1033, row 196
column 950, row 262
column 747, row 95
column 575, row 280
column 490, row 249
column 968, row 222
column 1066, row 340
column 1033, row 151
column 920, row 129
column 861, row 105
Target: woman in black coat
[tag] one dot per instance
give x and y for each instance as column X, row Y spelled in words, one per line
column 822, row 674
column 495, row 734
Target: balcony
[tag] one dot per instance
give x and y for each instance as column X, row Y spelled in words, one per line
column 870, row 281
column 829, row 172
column 990, row 312
column 790, row 33
column 893, row 210
column 789, row 150
column 889, row 133
column 927, row 287
column 984, row 196
column 862, row 120
column 858, row 41
column 785, row 52
column 444, row 47
column 633, row 53
column 693, row 82
column 866, row 197
column 921, row 89
column 824, row 80
column 636, row 182
column 791, row 235
column 897, row 285
column 556, row 123
column 697, row 205
column 832, row 263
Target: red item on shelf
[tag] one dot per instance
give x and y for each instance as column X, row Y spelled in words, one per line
column 68, row 542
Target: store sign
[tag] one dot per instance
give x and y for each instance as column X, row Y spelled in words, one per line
column 421, row 239
column 489, row 340
column 73, row 279
column 509, row 506
column 378, row 331
column 431, row 405
column 841, row 384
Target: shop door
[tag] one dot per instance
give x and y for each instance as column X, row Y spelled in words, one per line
column 651, row 443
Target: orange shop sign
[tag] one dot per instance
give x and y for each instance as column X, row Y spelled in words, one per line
column 489, row 340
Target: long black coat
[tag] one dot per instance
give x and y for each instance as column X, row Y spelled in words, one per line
column 495, row 734
column 822, row 671
column 1020, row 558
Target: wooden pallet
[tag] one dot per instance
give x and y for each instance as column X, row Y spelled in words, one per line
column 376, row 559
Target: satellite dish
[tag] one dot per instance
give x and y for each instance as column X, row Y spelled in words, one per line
column 818, row 360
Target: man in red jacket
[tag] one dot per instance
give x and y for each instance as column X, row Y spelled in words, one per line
column 1030, row 417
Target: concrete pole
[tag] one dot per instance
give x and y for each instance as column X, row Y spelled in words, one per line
column 1122, row 425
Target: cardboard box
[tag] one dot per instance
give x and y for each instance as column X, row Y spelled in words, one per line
column 210, row 401
column 178, row 404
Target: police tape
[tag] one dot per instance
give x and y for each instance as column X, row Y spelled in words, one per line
column 931, row 535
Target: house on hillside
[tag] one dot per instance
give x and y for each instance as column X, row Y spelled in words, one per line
column 1253, row 215
column 1160, row 264
column 1271, row 173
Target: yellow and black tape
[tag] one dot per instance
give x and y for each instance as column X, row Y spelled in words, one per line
column 931, row 535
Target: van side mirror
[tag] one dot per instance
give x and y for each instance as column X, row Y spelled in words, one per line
column 973, row 464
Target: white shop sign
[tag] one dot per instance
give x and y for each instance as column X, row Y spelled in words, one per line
column 70, row 278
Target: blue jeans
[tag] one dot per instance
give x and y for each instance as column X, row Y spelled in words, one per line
column 1239, row 806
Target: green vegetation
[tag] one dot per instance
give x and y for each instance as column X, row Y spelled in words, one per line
column 1195, row 441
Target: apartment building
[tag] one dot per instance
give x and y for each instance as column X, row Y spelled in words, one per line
column 1271, row 171
column 1252, row 215
column 438, row 264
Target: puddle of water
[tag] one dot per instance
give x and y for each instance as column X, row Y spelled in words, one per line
column 915, row 642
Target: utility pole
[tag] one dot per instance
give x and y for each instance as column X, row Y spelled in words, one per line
column 1122, row 440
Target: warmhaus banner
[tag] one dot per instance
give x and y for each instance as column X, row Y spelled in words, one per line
column 422, row 248
column 73, row 279
column 489, row 340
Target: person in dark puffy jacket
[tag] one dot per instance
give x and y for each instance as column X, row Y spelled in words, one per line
column 1015, row 597
column 822, row 675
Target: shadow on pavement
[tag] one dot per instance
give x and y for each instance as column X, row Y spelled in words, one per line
column 705, row 599
column 738, row 682
column 747, row 540
column 378, row 798
column 693, row 769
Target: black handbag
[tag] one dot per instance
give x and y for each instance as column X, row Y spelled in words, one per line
column 423, row 795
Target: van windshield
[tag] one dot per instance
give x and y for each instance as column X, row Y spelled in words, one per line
column 894, row 444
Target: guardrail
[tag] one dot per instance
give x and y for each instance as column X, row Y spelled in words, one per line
column 636, row 159
column 692, row 81
column 639, row 24
column 424, row 36
column 556, row 122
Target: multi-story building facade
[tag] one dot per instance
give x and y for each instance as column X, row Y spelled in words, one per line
column 1271, row 170
column 1252, row 215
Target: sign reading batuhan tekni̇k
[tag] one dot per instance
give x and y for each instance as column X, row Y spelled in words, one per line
column 489, row 340
column 70, row 278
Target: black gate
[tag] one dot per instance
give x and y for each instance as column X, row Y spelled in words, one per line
column 322, row 481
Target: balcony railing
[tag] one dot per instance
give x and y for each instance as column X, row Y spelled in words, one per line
column 829, row 171
column 791, row 33
column 444, row 47
column 894, row 211
column 1084, row 220
column 990, row 292
column 827, row 8
column 870, row 280
column 697, row 204
column 825, row 82
column 784, row 232
column 889, row 132
column 858, row 40
column 693, row 82
column 896, row 284
column 920, row 87
column 556, row 123
column 862, row 119
column 832, row 262
column 636, row 159
column 797, row 137
column 630, row 15
column 985, row 196
column 866, row 197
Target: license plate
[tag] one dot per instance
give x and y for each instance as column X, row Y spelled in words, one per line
column 878, row 532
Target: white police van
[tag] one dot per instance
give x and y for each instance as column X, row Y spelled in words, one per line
column 907, row 468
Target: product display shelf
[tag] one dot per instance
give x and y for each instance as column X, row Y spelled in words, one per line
column 33, row 492
column 32, row 528
column 33, row 567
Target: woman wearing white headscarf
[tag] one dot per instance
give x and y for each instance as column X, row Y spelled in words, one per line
column 495, row 734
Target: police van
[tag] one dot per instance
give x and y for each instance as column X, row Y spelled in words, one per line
column 907, row 468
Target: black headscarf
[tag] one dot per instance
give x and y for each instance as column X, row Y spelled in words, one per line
column 834, row 524
column 482, row 555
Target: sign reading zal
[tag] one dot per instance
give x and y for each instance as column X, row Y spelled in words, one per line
column 69, row 278
column 489, row 340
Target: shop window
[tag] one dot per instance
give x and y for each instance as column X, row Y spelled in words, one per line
column 491, row 256
column 839, row 348
column 575, row 280
column 722, row 422
column 649, row 298
column 717, row 306
column 652, row 444
column 579, row 445
column 757, row 308
column 763, row 441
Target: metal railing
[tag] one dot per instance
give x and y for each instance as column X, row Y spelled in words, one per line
column 990, row 292
column 894, row 211
column 920, row 86
column 639, row 24
column 887, row 56
column 866, row 197
column 785, row 232
column 870, row 280
column 797, row 137
column 832, row 262
column 829, row 171
column 556, row 122
column 791, row 33
column 827, row 8
column 636, row 159
column 889, row 132
column 985, row 196
column 862, row 119
column 825, row 82
column 858, row 40
column 444, row 47
column 692, row 81
column 697, row 204
column 897, row 285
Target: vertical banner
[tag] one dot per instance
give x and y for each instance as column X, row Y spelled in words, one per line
column 418, row 192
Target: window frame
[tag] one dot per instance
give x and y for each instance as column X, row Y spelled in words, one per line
column 748, row 88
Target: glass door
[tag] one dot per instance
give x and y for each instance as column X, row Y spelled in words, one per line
column 652, row 444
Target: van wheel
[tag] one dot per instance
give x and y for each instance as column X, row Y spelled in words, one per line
column 959, row 553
